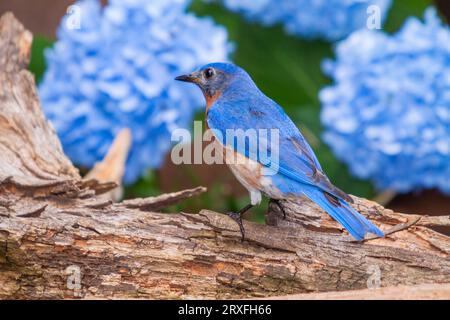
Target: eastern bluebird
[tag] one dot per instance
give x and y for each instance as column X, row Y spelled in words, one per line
column 291, row 170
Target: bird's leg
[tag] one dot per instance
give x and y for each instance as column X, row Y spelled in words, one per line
column 237, row 216
column 277, row 202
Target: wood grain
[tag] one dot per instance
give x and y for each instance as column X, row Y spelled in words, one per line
column 52, row 221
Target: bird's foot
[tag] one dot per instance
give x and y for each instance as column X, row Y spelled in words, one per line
column 277, row 202
column 236, row 216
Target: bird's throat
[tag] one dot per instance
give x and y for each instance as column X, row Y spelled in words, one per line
column 210, row 99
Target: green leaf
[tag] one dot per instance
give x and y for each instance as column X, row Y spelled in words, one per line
column 146, row 186
column 37, row 62
column 402, row 9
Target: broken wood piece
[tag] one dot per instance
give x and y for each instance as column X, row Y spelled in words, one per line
column 162, row 201
column 112, row 167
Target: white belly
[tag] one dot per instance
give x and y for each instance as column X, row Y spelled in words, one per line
column 242, row 175
column 251, row 175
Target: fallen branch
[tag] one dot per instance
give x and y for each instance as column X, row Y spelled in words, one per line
column 56, row 227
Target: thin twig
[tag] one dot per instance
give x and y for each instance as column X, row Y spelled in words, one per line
column 394, row 229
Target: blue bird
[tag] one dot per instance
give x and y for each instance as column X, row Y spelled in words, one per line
column 287, row 169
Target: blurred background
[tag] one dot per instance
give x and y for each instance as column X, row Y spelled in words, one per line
column 313, row 60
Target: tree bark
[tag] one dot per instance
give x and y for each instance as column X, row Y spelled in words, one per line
column 60, row 237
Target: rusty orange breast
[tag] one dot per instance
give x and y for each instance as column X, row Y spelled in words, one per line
column 211, row 99
column 209, row 102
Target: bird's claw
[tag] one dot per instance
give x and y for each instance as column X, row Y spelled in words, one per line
column 277, row 202
column 237, row 217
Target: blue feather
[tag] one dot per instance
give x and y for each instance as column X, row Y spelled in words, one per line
column 348, row 217
column 241, row 105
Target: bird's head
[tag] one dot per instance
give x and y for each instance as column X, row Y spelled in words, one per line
column 216, row 78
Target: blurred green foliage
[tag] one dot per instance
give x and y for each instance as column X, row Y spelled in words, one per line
column 147, row 186
column 287, row 69
column 37, row 61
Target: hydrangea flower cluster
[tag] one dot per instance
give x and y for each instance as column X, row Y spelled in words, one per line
column 388, row 114
column 330, row 19
column 117, row 70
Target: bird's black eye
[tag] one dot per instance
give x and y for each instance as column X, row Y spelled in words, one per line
column 209, row 72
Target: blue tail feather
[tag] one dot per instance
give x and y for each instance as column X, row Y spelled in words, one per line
column 348, row 217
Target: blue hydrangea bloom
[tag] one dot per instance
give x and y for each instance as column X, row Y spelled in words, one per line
column 117, row 70
column 326, row 19
column 388, row 114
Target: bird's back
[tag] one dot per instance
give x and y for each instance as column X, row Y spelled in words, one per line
column 246, row 107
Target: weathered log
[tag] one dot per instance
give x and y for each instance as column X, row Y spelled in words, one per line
column 417, row 292
column 60, row 239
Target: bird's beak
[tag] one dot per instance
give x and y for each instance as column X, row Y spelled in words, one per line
column 193, row 77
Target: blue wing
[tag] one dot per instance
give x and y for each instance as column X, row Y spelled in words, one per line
column 296, row 160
